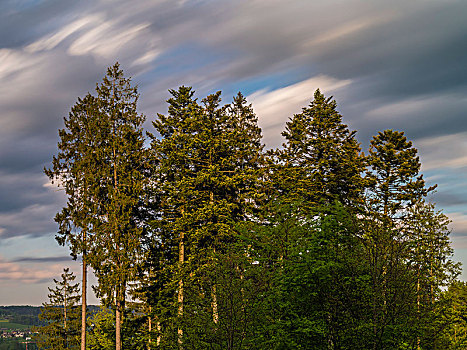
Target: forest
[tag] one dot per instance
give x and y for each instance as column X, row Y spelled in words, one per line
column 201, row 238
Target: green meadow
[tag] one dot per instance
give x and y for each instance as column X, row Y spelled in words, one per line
column 13, row 326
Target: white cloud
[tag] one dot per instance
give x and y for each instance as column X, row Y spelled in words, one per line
column 31, row 273
column 348, row 28
column 274, row 108
column 459, row 222
column 14, row 61
column 51, row 41
column 106, row 39
column 442, row 152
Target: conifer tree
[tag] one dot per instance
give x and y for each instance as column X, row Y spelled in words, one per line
column 394, row 180
column 120, row 183
column 101, row 164
column 394, row 187
column 429, row 254
column 61, row 315
column 174, row 172
column 454, row 334
column 321, row 159
column 209, row 159
column 74, row 169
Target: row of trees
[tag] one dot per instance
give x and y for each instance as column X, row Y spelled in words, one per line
column 205, row 241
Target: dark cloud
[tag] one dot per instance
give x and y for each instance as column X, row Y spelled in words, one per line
column 48, row 259
column 404, row 64
column 446, row 199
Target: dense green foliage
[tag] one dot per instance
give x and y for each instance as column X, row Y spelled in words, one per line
column 221, row 245
column 16, row 344
column 61, row 316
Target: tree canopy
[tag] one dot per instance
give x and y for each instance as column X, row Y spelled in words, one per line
column 201, row 239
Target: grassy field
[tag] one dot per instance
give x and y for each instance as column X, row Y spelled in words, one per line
column 10, row 325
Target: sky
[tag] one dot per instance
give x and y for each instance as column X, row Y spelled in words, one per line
column 397, row 65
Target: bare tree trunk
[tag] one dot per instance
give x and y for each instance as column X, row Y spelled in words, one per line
column 149, row 329
column 215, row 313
column 83, row 297
column 118, row 322
column 181, row 259
column 65, row 314
column 158, row 340
column 119, row 314
column 120, row 303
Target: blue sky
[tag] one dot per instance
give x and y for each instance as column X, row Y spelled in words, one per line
column 397, row 64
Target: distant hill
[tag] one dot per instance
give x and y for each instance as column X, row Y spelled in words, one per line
column 23, row 315
column 27, row 315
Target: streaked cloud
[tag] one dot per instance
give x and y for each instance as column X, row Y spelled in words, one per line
column 51, row 41
column 398, row 65
column 446, row 151
column 274, row 108
column 46, row 260
column 13, row 271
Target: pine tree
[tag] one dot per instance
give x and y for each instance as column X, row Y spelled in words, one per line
column 394, row 187
column 120, row 181
column 394, row 180
column 74, row 170
column 209, row 158
column 101, row 164
column 321, row 159
column 61, row 315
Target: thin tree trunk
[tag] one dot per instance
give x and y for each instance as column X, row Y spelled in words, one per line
column 418, row 296
column 118, row 322
column 181, row 259
column 83, row 297
column 119, row 314
column 149, row 330
column 158, row 326
column 215, row 313
column 65, row 314
column 118, row 292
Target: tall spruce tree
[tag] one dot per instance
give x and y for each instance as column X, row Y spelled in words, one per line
column 173, row 176
column 394, row 187
column 395, row 182
column 321, row 160
column 429, row 254
column 120, row 182
column 101, row 164
column 320, row 165
column 209, row 161
column 74, row 169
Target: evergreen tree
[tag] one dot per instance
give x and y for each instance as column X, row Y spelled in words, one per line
column 101, row 164
column 61, row 315
column 102, row 330
column 320, row 250
column 74, row 170
column 430, row 256
column 209, row 165
column 394, row 187
column 394, row 180
column 120, row 181
column 321, row 159
column 454, row 333
column 175, row 169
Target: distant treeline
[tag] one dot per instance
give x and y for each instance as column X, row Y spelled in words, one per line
column 29, row 315
column 201, row 239
column 26, row 315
